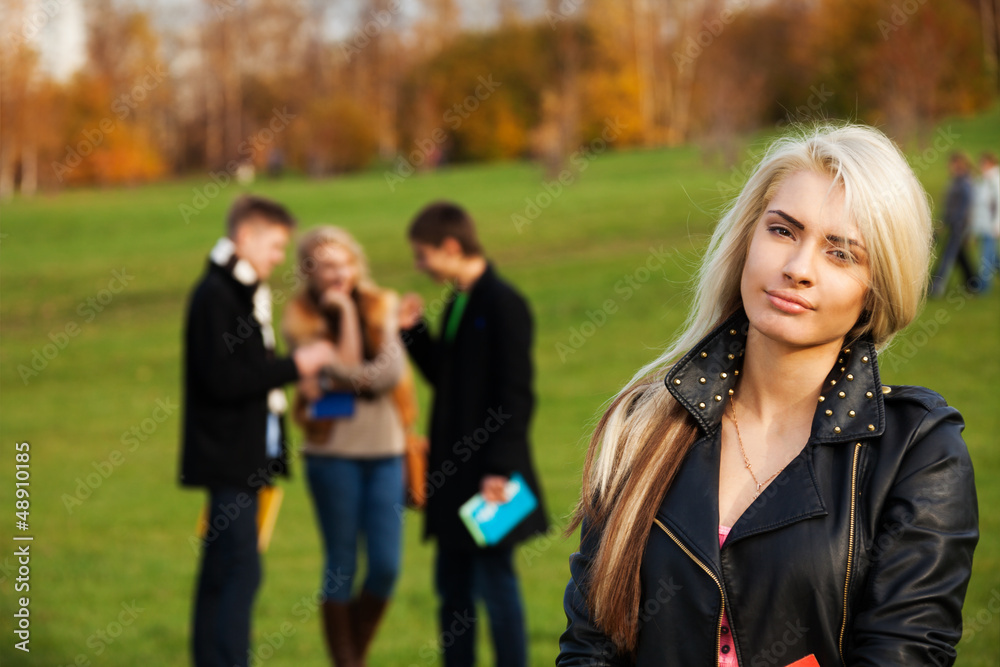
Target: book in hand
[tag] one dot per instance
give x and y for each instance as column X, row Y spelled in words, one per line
column 808, row 661
column 489, row 523
column 331, row 405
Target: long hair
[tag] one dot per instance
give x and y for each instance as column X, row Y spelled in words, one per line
column 644, row 434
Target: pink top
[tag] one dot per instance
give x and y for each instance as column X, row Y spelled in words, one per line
column 727, row 651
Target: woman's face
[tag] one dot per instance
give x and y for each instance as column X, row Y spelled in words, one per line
column 806, row 273
column 334, row 268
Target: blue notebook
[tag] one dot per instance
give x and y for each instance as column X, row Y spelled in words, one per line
column 333, row 404
column 489, row 523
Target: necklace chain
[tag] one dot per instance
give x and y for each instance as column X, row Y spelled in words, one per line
column 743, row 451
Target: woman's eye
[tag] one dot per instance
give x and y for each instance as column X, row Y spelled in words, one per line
column 842, row 255
column 779, row 230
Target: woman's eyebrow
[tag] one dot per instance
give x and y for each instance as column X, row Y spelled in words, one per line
column 789, row 219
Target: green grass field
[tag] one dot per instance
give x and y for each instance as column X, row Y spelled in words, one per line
column 93, row 285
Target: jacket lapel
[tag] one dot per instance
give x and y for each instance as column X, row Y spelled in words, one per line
column 792, row 496
column 690, row 507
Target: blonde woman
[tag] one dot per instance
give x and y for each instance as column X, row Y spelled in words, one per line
column 354, row 463
column 756, row 495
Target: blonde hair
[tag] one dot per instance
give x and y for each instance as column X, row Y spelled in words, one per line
column 324, row 235
column 644, row 434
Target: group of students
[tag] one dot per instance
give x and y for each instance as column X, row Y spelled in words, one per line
column 755, row 495
column 970, row 213
column 347, row 335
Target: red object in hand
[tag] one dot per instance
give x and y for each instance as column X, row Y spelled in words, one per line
column 808, row 661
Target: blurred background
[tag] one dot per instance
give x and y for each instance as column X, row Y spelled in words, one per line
column 589, row 139
column 112, row 91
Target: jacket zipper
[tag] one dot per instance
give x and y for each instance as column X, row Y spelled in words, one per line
column 722, row 597
column 850, row 548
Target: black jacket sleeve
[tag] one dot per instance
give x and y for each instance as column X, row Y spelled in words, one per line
column 512, row 369
column 911, row 605
column 219, row 355
column 583, row 644
column 423, row 350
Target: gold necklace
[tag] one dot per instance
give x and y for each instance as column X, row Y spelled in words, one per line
column 746, row 460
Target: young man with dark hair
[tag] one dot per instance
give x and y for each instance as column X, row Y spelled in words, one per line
column 233, row 440
column 480, row 370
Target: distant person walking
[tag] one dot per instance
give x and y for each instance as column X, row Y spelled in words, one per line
column 957, row 208
column 480, row 369
column 233, row 440
column 354, row 464
column 986, row 219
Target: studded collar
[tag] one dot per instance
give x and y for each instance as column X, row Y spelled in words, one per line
column 850, row 405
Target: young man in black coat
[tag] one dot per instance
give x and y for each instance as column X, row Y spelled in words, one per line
column 233, row 442
column 480, row 369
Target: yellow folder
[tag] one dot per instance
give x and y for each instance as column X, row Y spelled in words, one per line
column 269, row 502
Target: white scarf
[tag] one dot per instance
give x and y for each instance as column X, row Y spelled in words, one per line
column 222, row 254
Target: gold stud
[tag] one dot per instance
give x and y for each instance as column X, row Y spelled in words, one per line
column 736, row 372
column 843, row 368
column 723, row 375
column 677, row 381
column 822, row 398
column 836, row 429
column 732, row 391
column 840, row 361
column 732, row 332
column 702, row 380
column 731, row 356
column 864, row 360
column 886, row 390
column 718, row 398
column 842, row 394
column 829, row 413
column 701, row 405
column 868, row 394
column 871, row 427
column 704, row 355
column 850, row 377
column 847, row 351
column 833, row 382
column 851, row 413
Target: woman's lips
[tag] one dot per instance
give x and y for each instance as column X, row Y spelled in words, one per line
column 788, row 303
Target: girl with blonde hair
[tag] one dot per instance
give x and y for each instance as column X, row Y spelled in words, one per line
column 756, row 495
column 354, row 463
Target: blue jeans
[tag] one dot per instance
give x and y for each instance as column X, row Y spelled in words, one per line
column 460, row 577
column 354, row 497
column 229, row 579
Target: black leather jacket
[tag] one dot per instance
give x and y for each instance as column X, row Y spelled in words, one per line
column 859, row 552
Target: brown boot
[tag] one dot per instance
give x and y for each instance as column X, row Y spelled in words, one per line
column 366, row 612
column 337, row 631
